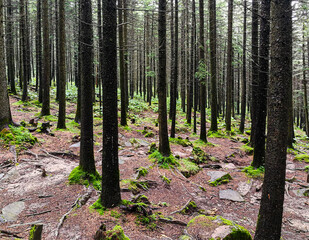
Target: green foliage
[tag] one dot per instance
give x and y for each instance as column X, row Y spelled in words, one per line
column 181, row 141
column 188, row 168
column 97, row 206
column 307, row 168
column 79, row 176
column 153, row 148
column 201, row 72
column 165, row 179
column 19, row 136
column 141, row 172
column 137, row 105
column 148, row 221
column 247, row 149
column 225, row 179
column 149, row 134
column 115, row 214
column 116, row 234
column 254, row 172
column 217, row 134
column 50, row 118
column 199, row 155
column 302, row 157
column 71, row 93
column 164, row 162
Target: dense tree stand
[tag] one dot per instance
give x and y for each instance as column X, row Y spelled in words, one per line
column 270, row 215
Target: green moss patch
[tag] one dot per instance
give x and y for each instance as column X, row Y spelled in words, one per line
column 247, row 149
column 18, row 136
column 223, row 180
column 164, row 162
column 190, row 208
column 97, row 206
column 116, row 234
column 181, row 141
column 307, row 168
column 134, row 186
column 188, row 168
column 217, row 134
column 165, row 179
column 199, row 155
column 141, row 172
column 78, row 176
column 302, row 157
column 254, row 172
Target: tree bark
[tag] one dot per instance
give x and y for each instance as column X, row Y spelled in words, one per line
column 271, row 209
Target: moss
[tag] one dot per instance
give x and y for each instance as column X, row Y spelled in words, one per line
column 18, row 136
column 201, row 143
column 190, row 208
column 141, row 172
column 116, row 234
column 153, row 148
column 149, row 134
column 181, row 141
column 165, row 179
column 188, row 168
column 164, row 162
column 50, row 118
column 32, row 231
column 247, row 149
column 199, row 155
column 238, row 232
column 217, row 134
column 133, row 185
column 225, row 179
column 115, row 214
column 302, row 157
column 307, row 168
column 148, row 221
column 254, row 172
column 97, row 206
column 78, row 176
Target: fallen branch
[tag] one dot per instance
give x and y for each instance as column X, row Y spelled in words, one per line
column 80, row 201
column 69, row 154
column 40, row 213
column 177, row 222
column 32, row 154
column 9, row 233
column 183, row 208
column 50, row 155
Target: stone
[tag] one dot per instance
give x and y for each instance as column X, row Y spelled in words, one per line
column 11, row 175
column 222, row 232
column 301, row 192
column 230, row 195
column 75, row 145
column 244, row 188
column 128, row 144
column 121, row 161
column 142, row 143
column 229, row 166
column 11, row 211
column 1, row 175
column 216, row 175
column 299, row 225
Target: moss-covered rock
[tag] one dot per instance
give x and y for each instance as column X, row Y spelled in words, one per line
column 218, row 228
column 79, row 176
column 116, row 234
column 164, row 162
column 141, row 172
column 254, row 172
column 199, row 155
column 188, row 168
column 218, row 178
column 181, row 141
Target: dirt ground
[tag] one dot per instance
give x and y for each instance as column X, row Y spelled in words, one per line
column 47, row 199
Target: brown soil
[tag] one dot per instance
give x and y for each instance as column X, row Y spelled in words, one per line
column 53, row 195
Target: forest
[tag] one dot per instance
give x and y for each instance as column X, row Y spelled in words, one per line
column 154, row 119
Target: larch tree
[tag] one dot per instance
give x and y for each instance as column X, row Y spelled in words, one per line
column 271, row 209
column 229, row 73
column 46, row 61
column 86, row 161
column 164, row 146
column 110, row 194
column 213, row 63
column 5, row 112
column 261, row 112
column 62, row 66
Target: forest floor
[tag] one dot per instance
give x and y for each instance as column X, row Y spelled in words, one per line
column 46, row 197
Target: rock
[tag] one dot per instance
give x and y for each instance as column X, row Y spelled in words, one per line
column 128, row 144
column 205, row 227
column 290, row 166
column 1, row 175
column 229, row 166
column 11, row 175
column 142, row 142
column 301, row 192
column 121, row 161
column 218, row 177
column 75, row 145
column 299, row 225
column 244, row 188
column 230, row 195
column 11, row 211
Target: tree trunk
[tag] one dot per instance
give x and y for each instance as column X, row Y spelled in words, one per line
column 270, row 214
column 213, row 64
column 164, row 146
column 261, row 111
column 62, row 66
column 110, row 195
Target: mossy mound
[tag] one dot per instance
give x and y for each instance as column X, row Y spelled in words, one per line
column 221, row 180
column 205, row 228
column 302, row 157
column 18, row 136
column 116, row 234
column 199, row 155
column 79, row 176
column 188, row 168
column 254, row 172
column 164, row 162
column 181, row 141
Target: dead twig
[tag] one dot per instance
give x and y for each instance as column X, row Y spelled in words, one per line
column 183, row 208
column 177, row 222
column 50, row 155
column 40, row 213
column 28, row 152
column 9, row 233
column 69, row 154
column 80, row 201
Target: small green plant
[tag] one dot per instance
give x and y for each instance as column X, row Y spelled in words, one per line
column 164, row 162
column 165, row 179
column 254, row 172
column 217, row 134
column 97, row 206
column 302, row 157
column 78, row 176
